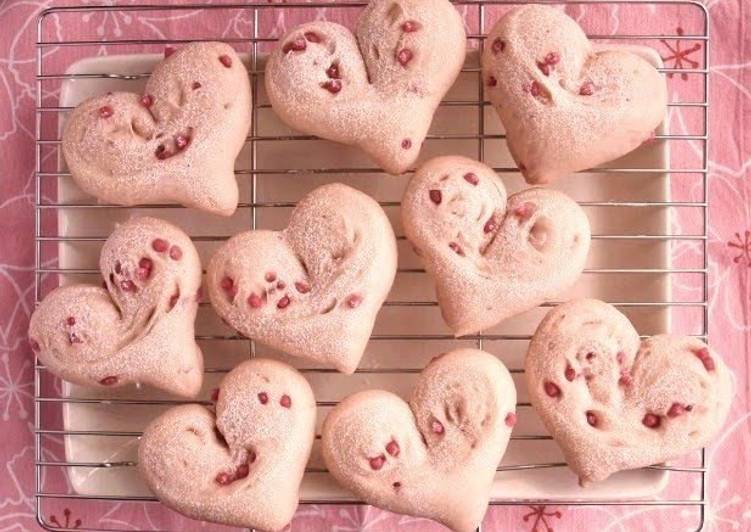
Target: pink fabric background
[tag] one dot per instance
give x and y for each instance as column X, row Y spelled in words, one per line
column 729, row 506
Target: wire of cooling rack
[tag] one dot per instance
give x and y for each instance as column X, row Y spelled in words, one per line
column 43, row 205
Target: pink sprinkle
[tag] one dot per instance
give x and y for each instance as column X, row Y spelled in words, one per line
column 404, row 56
column 270, row 277
column 243, row 470
column 105, row 111
column 168, row 51
column 181, row 141
column 175, row 253
column 145, row 265
column 435, row 196
column 552, row 389
column 162, row 153
column 108, row 381
column 570, row 374
column 70, row 320
column 625, row 379
column 127, row 285
column 263, row 398
column 592, row 418
column 283, row 302
column 159, row 245
column 392, row 448
column 196, row 85
column 525, row 210
column 302, row 287
column 456, row 248
column 534, row 89
column 255, row 301
column 410, row 26
column 510, row 419
column 215, row 395
column 295, row 45
column 225, row 60
column 224, row 479
column 492, row 82
column 490, row 225
column 353, row 300
column 651, row 420
column 587, row 89
column 333, row 71
column 285, row 401
column 312, row 36
column 436, row 426
column 471, row 178
column 498, row 46
column 332, row 85
column 406, row 144
column 703, row 355
column 147, row 100
column 377, row 462
column 227, row 284
column 677, row 409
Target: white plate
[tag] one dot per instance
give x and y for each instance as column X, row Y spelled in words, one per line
column 548, row 483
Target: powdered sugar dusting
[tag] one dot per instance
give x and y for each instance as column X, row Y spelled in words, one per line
column 491, row 257
column 135, row 330
column 669, row 405
column 469, row 394
column 216, row 467
column 314, row 289
column 175, row 143
column 376, row 89
column 566, row 105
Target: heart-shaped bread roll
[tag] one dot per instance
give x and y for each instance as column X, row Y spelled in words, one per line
column 491, row 257
column 567, row 105
column 314, row 289
column 175, row 143
column 140, row 327
column 242, row 466
column 377, row 89
column 435, row 457
column 614, row 402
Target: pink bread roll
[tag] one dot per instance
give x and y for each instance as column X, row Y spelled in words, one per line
column 177, row 142
column 139, row 328
column 377, row 89
column 567, row 105
column 491, row 256
column 314, row 289
column 242, row 466
column 435, row 457
column 613, row 402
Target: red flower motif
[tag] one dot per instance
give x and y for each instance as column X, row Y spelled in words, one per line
column 540, row 518
column 680, row 57
column 743, row 245
column 67, row 523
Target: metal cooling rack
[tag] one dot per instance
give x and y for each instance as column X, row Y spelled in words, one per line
column 45, row 397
